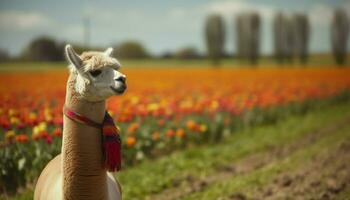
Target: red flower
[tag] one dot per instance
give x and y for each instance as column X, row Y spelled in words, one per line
column 22, row 138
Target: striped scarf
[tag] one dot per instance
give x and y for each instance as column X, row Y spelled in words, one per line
column 111, row 143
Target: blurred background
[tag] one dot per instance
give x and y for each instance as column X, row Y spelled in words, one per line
column 242, row 30
column 226, row 100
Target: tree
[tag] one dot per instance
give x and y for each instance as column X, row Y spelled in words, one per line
column 215, row 37
column 248, row 36
column 43, row 49
column 131, row 49
column 254, row 38
column 291, row 37
column 339, row 35
column 290, row 44
column 187, row 53
column 239, row 37
column 4, row 56
column 279, row 30
column 302, row 30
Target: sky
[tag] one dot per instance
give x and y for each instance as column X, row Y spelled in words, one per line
column 160, row 25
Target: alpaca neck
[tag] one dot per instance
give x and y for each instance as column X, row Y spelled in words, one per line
column 83, row 174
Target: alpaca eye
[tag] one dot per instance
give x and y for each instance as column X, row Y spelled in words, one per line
column 95, row 73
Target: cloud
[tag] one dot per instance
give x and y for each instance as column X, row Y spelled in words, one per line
column 20, row 20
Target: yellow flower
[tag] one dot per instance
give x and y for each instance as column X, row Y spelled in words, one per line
column 214, row 105
column 32, row 116
column 42, row 126
column 47, row 111
column 14, row 120
column 134, row 100
column 12, row 112
column 203, row 128
column 36, row 130
column 10, row 135
column 152, row 107
column 48, row 118
column 47, row 114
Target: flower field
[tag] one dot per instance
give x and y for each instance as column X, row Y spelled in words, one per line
column 162, row 111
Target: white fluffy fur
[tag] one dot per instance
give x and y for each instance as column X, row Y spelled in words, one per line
column 102, row 86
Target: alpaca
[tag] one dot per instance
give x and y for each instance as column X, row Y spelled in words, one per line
column 78, row 172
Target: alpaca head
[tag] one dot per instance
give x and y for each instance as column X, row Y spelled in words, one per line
column 97, row 75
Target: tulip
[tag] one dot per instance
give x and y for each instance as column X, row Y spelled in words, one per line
column 10, row 135
column 22, row 138
column 130, row 141
column 180, row 133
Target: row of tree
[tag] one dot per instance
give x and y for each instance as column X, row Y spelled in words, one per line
column 291, row 37
column 45, row 48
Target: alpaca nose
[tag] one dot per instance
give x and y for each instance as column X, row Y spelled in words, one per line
column 121, row 79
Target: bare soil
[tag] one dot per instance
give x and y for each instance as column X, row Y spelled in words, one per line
column 325, row 178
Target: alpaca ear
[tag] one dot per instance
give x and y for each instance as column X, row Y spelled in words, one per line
column 73, row 57
column 109, row 51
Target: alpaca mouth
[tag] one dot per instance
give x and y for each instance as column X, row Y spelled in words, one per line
column 120, row 90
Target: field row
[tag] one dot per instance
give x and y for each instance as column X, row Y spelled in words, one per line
column 279, row 165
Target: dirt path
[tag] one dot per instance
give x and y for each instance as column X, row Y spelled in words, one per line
column 325, row 178
column 190, row 184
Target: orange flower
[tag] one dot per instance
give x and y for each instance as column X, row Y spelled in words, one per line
column 191, row 125
column 130, row 141
column 161, row 122
column 170, row 133
column 57, row 132
column 133, row 128
column 22, row 138
column 180, row 133
column 156, row 136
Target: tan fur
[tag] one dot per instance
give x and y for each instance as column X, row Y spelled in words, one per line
column 94, row 60
column 78, row 173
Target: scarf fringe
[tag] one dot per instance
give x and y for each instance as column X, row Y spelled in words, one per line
column 112, row 155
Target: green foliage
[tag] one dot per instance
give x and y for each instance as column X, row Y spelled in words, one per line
column 14, row 164
column 187, row 53
column 131, row 49
column 43, row 49
column 22, row 163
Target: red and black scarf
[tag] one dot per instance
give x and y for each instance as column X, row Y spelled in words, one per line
column 111, row 143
